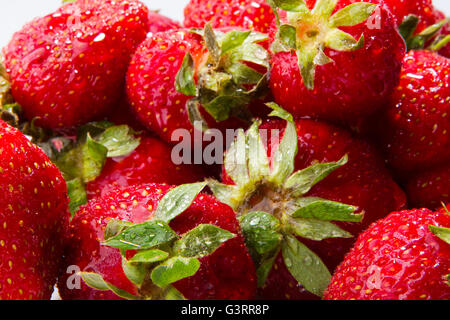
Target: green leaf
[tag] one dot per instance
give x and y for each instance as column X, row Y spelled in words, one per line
column 408, row 26
column 262, row 272
column 220, row 107
column 306, row 57
column 149, row 256
column 288, row 35
column 142, row 236
column 325, row 210
column 195, row 116
column 302, row 181
column 324, row 8
column 317, row 230
column 177, row 200
column 261, row 231
column 184, row 81
column 352, row 14
column 291, row 5
column 114, row 227
column 135, row 272
column 441, row 232
column 119, row 140
column 211, row 43
column 419, row 41
column 339, row 40
column 202, row 241
column 243, row 74
column 172, row 294
column 235, row 161
column 173, row 270
column 258, row 162
column 279, row 112
column 96, row 281
column 305, row 266
column 77, row 195
column 86, row 161
column 224, row 193
column 233, row 39
column 440, row 42
column 284, row 156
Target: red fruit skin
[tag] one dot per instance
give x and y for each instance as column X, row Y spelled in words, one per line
column 429, row 189
column 371, row 72
column 415, row 128
column 226, row 274
column 160, row 23
column 363, row 182
column 68, row 67
column 33, row 217
column 150, row 163
column 397, row 258
column 151, row 84
column 253, row 15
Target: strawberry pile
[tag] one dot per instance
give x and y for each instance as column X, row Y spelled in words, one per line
column 261, row 149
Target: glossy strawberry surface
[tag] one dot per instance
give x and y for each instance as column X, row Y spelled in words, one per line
column 228, row 273
column 397, row 258
column 33, row 217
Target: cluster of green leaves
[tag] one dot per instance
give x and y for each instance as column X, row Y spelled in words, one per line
column 162, row 256
column 81, row 160
column 223, row 81
column 319, row 30
column 296, row 215
column 419, row 41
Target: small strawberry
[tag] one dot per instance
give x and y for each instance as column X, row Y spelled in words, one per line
column 149, row 163
column 285, row 216
column 33, row 217
column 405, row 256
column 200, row 256
column 429, row 188
column 181, row 79
column 160, row 23
column 415, row 129
column 68, row 67
column 255, row 15
column 334, row 60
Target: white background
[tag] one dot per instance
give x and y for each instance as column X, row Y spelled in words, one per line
column 14, row 13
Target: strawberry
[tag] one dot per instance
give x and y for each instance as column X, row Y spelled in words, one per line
column 185, row 80
column 68, row 67
column 331, row 64
column 256, row 14
column 415, row 128
column 405, row 256
column 150, row 163
column 429, row 188
column 33, row 207
column 160, row 23
column 209, row 234
column 286, row 216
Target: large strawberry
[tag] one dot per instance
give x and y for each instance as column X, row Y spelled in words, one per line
column 201, row 253
column 160, row 23
column 249, row 14
column 415, row 129
column 429, row 188
column 33, row 218
column 405, row 256
column 334, row 60
column 180, row 79
column 151, row 162
column 286, row 216
column 68, row 67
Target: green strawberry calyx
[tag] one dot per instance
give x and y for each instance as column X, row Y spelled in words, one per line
column 161, row 257
column 273, row 207
column 225, row 83
column 310, row 32
column 419, row 41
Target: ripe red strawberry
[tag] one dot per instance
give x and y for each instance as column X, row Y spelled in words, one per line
column 397, row 258
column 33, row 216
column 176, row 79
column 430, row 188
column 228, row 273
column 160, row 23
column 362, row 182
column 416, row 127
column 350, row 66
column 68, row 67
column 256, row 14
column 150, row 163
